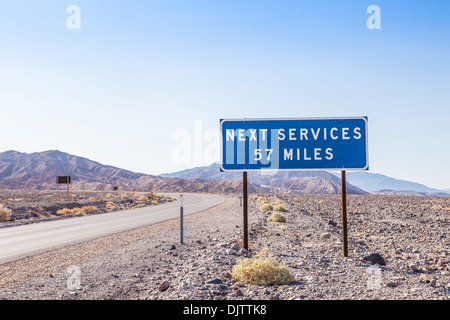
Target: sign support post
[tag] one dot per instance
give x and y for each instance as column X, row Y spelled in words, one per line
column 344, row 214
column 244, row 180
column 181, row 218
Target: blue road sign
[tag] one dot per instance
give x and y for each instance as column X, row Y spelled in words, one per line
column 294, row 144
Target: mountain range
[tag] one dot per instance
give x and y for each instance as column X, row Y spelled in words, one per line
column 358, row 182
column 308, row 182
column 38, row 170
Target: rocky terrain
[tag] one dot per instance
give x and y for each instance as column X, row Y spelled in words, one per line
column 398, row 249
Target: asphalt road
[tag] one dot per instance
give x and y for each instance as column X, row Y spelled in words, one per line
column 22, row 241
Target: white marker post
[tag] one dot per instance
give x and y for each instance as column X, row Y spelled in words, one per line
column 181, row 218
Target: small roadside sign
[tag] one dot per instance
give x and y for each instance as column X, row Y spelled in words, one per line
column 63, row 180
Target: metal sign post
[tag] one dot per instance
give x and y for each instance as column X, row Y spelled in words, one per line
column 181, row 218
column 344, row 214
column 244, row 187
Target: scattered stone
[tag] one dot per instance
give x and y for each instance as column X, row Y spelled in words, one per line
column 164, row 286
column 392, row 284
column 375, row 258
column 325, row 235
column 239, row 293
column 215, row 281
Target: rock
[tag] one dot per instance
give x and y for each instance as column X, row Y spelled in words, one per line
column 172, row 247
column 229, row 251
column 332, row 223
column 215, row 281
column 164, row 286
column 239, row 293
column 375, row 258
column 392, row 284
column 325, row 235
column 433, row 283
column 415, row 268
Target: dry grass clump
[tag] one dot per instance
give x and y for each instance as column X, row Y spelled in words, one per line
column 440, row 207
column 5, row 213
column 76, row 210
column 266, row 207
column 154, row 196
column 155, row 202
column 277, row 217
column 142, row 198
column 280, row 208
column 261, row 270
column 64, row 211
column 111, row 205
column 89, row 208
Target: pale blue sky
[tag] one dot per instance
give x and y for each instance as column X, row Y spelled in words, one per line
column 136, row 72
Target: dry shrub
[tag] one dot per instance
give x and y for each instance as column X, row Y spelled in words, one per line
column 142, row 198
column 280, row 208
column 92, row 198
column 88, row 208
column 261, row 270
column 261, row 199
column 440, row 207
column 266, row 206
column 64, row 211
column 154, row 196
column 155, row 202
column 277, row 217
column 109, row 196
column 76, row 210
column 110, row 205
column 5, row 213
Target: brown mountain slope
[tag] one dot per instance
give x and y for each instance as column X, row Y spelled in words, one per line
column 38, row 170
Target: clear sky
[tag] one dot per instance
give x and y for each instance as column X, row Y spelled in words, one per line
column 120, row 89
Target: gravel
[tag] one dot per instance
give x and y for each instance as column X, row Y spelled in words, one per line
column 398, row 249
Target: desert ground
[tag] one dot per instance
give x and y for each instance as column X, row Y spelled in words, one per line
column 398, row 250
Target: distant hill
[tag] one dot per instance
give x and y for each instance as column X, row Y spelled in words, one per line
column 311, row 182
column 374, row 182
column 38, row 170
column 410, row 193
